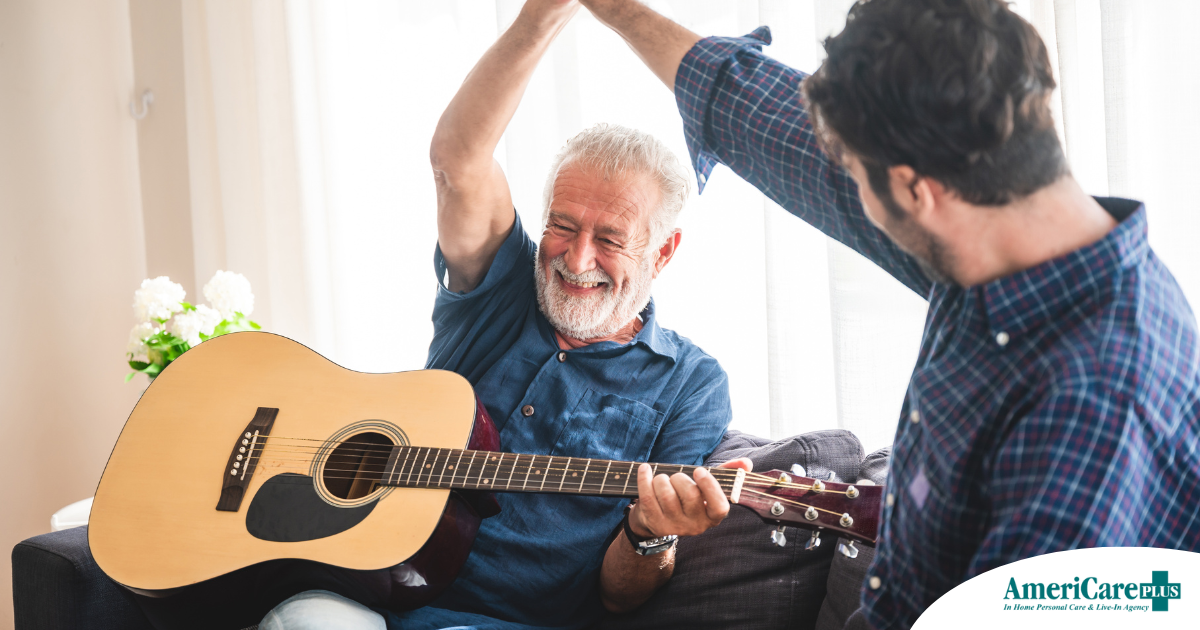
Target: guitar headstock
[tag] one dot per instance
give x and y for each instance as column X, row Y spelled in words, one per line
column 783, row 498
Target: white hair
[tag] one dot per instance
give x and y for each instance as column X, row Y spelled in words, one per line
column 614, row 150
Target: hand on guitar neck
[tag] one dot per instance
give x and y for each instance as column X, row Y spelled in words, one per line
column 680, row 505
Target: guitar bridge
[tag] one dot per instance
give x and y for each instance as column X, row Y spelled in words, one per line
column 243, row 459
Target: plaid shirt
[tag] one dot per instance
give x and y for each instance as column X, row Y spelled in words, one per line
column 1051, row 409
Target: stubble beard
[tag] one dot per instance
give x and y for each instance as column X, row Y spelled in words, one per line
column 931, row 254
column 594, row 317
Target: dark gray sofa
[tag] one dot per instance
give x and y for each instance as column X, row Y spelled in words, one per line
column 732, row 576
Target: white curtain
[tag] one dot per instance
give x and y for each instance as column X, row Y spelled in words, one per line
column 311, row 134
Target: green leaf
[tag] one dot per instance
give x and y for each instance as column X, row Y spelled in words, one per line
column 255, row 326
column 138, row 365
column 130, row 376
column 187, row 307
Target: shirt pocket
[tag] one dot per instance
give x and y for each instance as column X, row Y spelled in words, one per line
column 608, row 426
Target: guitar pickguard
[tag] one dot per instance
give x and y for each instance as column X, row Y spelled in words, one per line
column 287, row 508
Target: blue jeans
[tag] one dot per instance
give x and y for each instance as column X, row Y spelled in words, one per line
column 323, row 610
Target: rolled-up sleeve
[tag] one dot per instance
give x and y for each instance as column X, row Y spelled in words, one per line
column 743, row 109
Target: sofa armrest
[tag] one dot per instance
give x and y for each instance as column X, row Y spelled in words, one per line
column 57, row 586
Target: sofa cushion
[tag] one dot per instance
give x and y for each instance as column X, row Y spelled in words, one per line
column 846, row 575
column 733, row 576
column 57, row 586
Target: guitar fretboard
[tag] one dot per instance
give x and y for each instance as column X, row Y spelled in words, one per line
column 421, row 467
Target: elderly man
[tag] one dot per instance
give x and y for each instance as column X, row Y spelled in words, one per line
column 1056, row 400
column 561, row 342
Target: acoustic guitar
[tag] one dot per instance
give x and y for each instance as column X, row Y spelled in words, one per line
column 252, row 450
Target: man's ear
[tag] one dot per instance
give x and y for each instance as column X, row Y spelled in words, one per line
column 667, row 251
column 916, row 194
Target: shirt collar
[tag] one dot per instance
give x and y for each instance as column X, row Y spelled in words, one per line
column 1048, row 291
column 652, row 336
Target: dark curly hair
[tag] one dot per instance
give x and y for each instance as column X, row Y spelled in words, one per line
column 958, row 90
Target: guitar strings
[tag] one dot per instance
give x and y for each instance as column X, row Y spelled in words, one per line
column 381, row 451
column 589, row 489
column 593, row 487
column 444, row 458
column 586, row 487
column 378, row 455
column 429, row 468
column 377, row 448
column 427, row 477
column 499, row 473
column 597, row 490
column 573, row 487
column 499, row 468
column 555, row 484
column 373, row 448
column 376, row 452
column 444, row 455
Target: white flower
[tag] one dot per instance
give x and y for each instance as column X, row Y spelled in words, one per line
column 158, row 299
column 229, row 293
column 137, row 341
column 189, row 325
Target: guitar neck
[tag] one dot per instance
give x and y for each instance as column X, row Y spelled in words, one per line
column 421, row 467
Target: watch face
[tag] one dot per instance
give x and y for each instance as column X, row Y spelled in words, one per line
column 655, row 545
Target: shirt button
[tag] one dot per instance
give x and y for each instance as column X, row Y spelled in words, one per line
column 562, row 357
column 875, row 582
column 914, row 416
column 527, row 410
column 890, row 499
column 1002, row 338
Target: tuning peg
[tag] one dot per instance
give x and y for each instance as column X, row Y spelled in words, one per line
column 798, row 470
column 814, row 541
column 848, row 549
column 778, row 538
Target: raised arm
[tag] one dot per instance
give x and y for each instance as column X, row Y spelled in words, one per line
column 744, row 109
column 475, row 209
column 658, row 41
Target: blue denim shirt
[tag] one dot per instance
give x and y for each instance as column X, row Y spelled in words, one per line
column 658, row 398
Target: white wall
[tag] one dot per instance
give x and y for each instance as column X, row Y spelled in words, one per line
column 71, row 253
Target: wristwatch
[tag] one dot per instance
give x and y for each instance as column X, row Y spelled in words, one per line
column 645, row 546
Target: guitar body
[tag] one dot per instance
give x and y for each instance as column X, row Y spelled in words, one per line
column 201, row 517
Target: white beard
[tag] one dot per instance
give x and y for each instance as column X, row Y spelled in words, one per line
column 592, row 317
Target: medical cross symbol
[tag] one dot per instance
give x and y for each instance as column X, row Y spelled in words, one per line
column 1159, row 591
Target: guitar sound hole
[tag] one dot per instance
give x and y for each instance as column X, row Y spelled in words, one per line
column 354, row 468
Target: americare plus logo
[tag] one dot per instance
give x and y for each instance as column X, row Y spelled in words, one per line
column 1092, row 594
